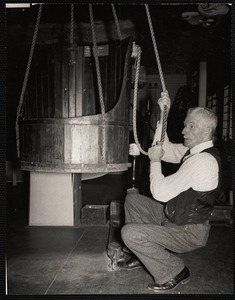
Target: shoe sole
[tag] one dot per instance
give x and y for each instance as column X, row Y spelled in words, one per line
column 134, row 268
column 185, row 281
column 129, row 269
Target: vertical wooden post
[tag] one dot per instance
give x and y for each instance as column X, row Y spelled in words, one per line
column 202, row 84
column 65, row 83
column 78, row 93
column 77, row 198
column 79, row 82
column 72, row 82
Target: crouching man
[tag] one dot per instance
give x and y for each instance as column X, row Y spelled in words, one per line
column 177, row 219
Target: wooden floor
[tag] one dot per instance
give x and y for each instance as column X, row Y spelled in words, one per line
column 53, row 261
column 74, row 261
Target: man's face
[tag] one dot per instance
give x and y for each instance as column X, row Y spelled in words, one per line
column 194, row 131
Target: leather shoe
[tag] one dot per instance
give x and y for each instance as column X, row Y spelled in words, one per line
column 131, row 264
column 124, row 257
column 182, row 277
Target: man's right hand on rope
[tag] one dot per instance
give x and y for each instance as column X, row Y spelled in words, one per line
column 164, row 101
column 156, row 152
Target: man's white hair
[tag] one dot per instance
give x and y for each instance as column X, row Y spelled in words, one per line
column 207, row 114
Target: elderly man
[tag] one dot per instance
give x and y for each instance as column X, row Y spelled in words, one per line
column 177, row 218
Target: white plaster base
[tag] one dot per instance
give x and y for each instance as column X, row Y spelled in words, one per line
column 51, row 199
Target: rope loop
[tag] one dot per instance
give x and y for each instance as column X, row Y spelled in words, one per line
column 137, row 55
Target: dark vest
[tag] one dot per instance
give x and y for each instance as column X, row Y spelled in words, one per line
column 193, row 207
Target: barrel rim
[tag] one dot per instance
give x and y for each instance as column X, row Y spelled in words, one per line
column 74, row 168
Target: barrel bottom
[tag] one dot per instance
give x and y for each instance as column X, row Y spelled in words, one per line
column 73, row 168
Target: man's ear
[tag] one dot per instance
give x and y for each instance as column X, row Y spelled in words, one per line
column 208, row 131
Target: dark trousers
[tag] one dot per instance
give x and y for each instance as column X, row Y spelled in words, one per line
column 149, row 235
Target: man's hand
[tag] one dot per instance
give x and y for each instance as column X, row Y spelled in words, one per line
column 156, row 152
column 164, row 101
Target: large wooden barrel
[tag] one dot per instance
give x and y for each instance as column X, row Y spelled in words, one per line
column 62, row 129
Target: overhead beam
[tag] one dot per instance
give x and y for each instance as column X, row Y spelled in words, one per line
column 18, row 5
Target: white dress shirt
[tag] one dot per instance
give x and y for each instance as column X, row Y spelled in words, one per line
column 200, row 171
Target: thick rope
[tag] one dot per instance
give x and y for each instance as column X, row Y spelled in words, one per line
column 117, row 22
column 71, row 23
column 165, row 112
column 164, row 124
column 95, row 51
column 155, row 48
column 19, row 113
